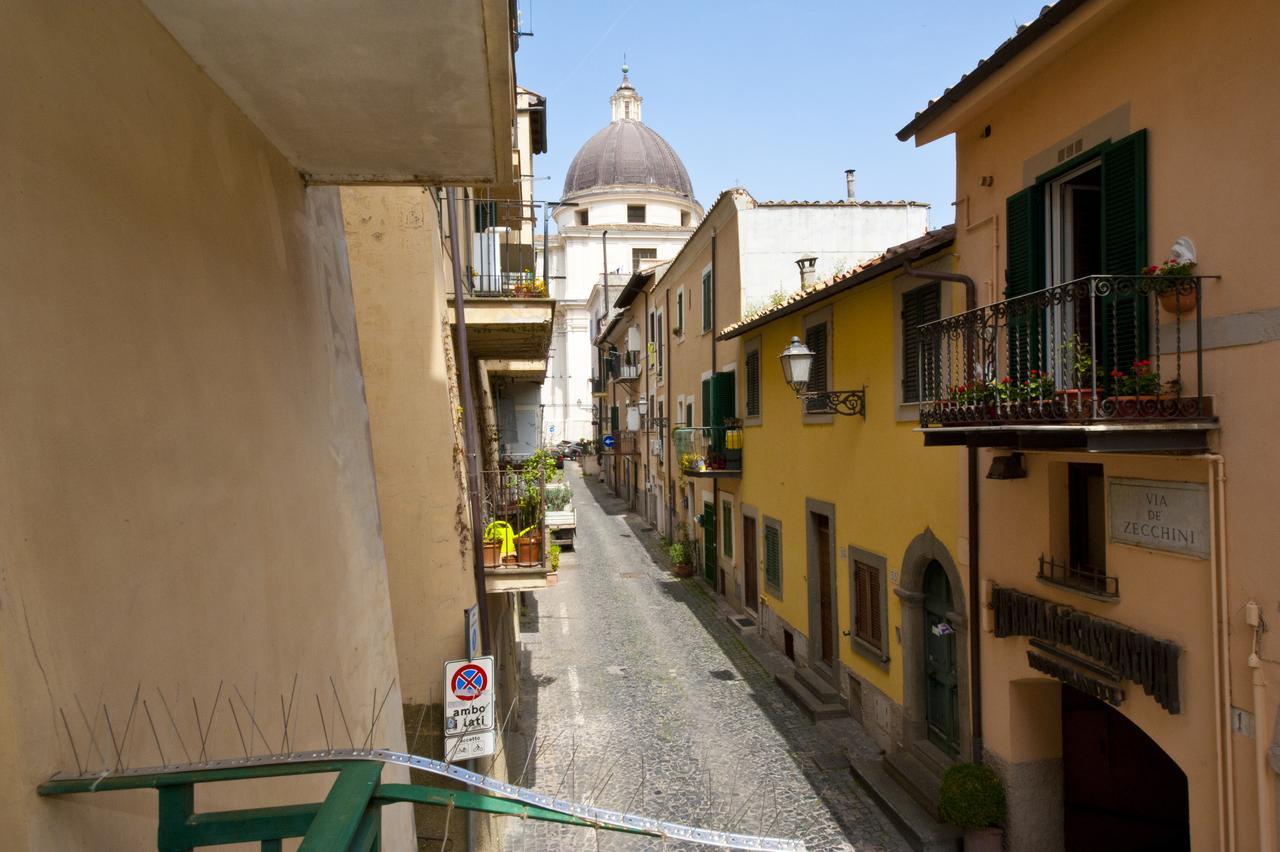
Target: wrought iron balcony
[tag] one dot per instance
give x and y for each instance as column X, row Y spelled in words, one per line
column 499, row 257
column 709, row 451
column 1078, row 577
column 1063, row 365
column 514, row 539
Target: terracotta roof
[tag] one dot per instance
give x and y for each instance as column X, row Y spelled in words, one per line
column 844, row 202
column 911, row 250
column 1025, row 36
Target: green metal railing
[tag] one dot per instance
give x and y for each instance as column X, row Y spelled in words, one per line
column 349, row 818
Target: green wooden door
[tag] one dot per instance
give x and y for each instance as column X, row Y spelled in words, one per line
column 709, row 541
column 942, row 715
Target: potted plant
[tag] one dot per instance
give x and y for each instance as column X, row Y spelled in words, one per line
column 1177, row 293
column 680, row 558
column 1137, row 391
column 1079, row 357
column 972, row 799
column 553, row 564
column 529, row 545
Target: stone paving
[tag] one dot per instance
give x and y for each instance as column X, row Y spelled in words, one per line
column 638, row 695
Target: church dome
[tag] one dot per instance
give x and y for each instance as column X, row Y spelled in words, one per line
column 627, row 153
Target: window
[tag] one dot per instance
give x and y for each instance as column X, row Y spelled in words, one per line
column 660, row 340
column 726, row 523
column 1087, row 216
column 679, row 329
column 919, row 369
column 688, row 414
column 707, row 304
column 870, row 604
column 635, row 213
column 613, row 418
column 816, row 338
column 751, row 378
column 773, row 556
column 1087, row 525
column 582, row 217
column 684, row 218
column 640, row 255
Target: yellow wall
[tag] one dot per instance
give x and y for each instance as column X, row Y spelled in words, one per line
column 886, row 486
column 1210, row 110
column 186, row 484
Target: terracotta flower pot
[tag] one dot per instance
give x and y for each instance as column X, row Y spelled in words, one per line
column 529, row 550
column 983, row 839
column 1176, row 299
column 492, row 554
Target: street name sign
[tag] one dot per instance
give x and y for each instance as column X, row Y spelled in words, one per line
column 468, row 708
column 1161, row 515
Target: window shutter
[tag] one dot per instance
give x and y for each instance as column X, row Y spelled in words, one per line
column 753, row 383
column 723, row 398
column 726, row 524
column 613, row 418
column 688, row 414
column 706, row 402
column 867, row 607
column 680, row 312
column 772, row 557
column 1023, row 274
column 706, row 301
column 873, row 608
column 1124, row 250
column 919, row 306
column 815, row 337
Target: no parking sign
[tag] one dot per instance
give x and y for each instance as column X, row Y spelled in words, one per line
column 468, row 708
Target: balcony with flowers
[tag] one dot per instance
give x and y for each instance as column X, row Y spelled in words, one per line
column 709, row 451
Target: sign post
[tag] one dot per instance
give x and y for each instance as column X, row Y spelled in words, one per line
column 469, row 724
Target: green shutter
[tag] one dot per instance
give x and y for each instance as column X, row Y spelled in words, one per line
column 772, row 557
column 709, row 542
column 753, row 383
column 726, row 524
column 613, row 418
column 706, row 301
column 680, row 312
column 919, row 306
column 1124, row 250
column 688, row 414
column 706, row 402
column 1024, row 273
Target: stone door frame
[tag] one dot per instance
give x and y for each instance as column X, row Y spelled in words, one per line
column 926, row 548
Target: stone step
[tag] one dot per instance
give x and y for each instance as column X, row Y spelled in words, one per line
column 935, row 759
column 819, row 686
column 915, row 777
column 921, row 829
column 814, row 707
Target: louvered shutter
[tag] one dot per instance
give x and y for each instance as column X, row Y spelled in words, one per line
column 753, row 383
column 613, row 418
column 706, row 302
column 920, row 368
column 726, row 524
column 873, row 608
column 772, row 557
column 867, row 606
column 815, row 337
column 706, row 402
column 1024, row 273
column 1124, row 250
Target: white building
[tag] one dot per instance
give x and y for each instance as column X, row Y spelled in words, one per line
column 627, row 201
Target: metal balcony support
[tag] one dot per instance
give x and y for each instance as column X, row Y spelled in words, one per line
column 852, row 403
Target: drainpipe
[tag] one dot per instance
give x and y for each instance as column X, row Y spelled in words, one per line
column 715, row 483
column 975, row 597
column 471, row 440
column 644, row 450
column 471, row 445
column 670, row 508
column 1222, row 656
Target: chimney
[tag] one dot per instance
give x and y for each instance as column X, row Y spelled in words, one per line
column 848, row 183
column 808, row 270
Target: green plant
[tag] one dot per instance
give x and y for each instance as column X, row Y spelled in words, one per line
column 553, row 557
column 1036, row 386
column 679, row 553
column 1171, row 268
column 971, row 797
column 1080, row 356
column 558, row 496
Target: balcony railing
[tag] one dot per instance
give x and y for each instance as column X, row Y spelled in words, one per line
column 1094, row 350
column 708, row 450
column 1081, row 578
column 513, row 509
column 500, row 259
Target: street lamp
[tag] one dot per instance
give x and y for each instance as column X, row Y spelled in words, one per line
column 797, row 362
column 643, row 405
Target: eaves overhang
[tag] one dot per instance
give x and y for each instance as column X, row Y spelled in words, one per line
column 379, row 91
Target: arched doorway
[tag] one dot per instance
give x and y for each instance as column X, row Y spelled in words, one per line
column 1120, row 790
column 942, row 712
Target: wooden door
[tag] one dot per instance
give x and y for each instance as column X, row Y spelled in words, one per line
column 826, row 588
column 751, row 592
column 709, row 542
column 942, row 715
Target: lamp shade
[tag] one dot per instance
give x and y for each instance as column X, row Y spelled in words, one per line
column 643, row 405
column 796, row 360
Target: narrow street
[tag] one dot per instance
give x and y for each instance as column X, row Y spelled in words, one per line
column 639, row 695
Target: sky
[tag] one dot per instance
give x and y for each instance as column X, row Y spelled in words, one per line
column 780, row 97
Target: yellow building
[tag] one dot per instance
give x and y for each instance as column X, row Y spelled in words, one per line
column 847, row 528
column 1123, row 416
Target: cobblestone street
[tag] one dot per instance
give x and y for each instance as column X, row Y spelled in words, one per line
column 637, row 694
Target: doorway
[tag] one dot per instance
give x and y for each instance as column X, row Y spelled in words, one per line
column 1120, row 790
column 751, row 587
column 822, row 590
column 709, row 542
column 942, row 715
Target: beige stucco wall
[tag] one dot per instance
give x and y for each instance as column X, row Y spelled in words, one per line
column 187, row 484
column 1210, row 110
column 398, row 274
